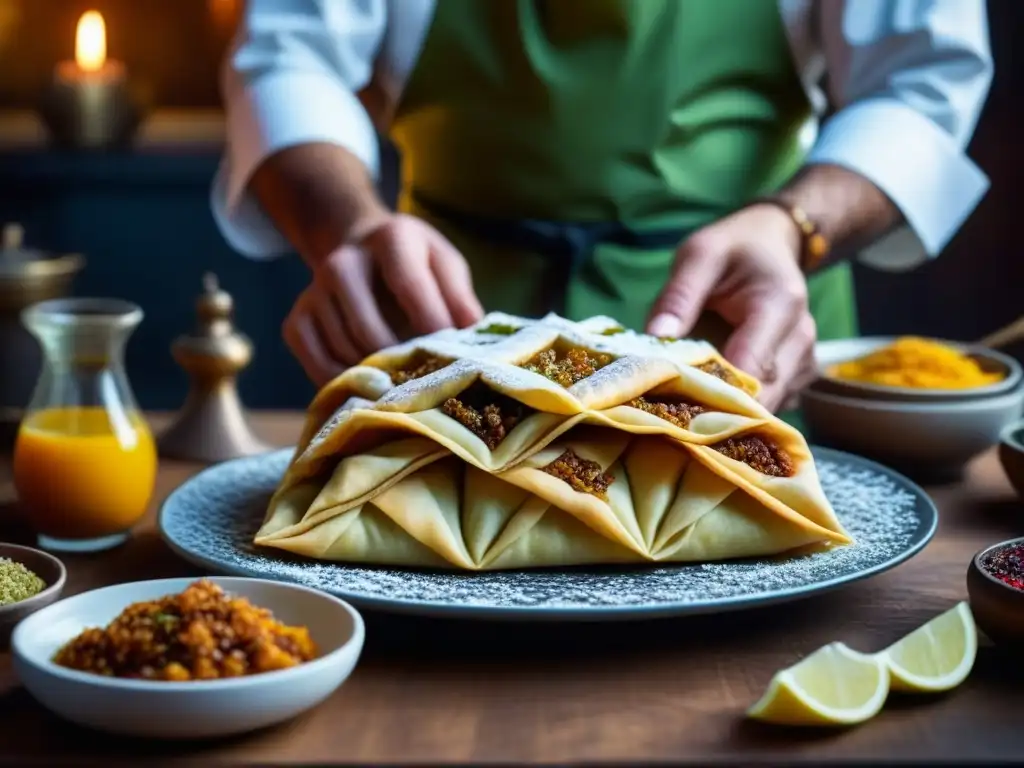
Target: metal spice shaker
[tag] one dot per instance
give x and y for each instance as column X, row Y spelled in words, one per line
column 212, row 424
column 27, row 276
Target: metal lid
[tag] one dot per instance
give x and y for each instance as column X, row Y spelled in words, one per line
column 18, row 262
column 215, row 308
column 215, row 336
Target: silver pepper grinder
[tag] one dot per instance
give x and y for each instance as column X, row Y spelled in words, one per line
column 211, row 425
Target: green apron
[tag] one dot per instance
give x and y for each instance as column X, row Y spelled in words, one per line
column 567, row 146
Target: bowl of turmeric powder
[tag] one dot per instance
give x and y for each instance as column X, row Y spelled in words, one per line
column 913, row 369
column 928, row 440
column 923, row 406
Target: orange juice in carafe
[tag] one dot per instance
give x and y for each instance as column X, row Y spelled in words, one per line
column 85, row 460
column 81, row 475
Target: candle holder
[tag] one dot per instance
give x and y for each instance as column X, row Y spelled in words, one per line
column 95, row 112
column 90, row 104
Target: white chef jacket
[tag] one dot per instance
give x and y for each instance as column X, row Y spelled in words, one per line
column 906, row 81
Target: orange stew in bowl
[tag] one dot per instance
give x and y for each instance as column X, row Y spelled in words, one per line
column 200, row 634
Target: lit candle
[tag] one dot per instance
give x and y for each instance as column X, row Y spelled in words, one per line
column 89, row 104
column 91, row 65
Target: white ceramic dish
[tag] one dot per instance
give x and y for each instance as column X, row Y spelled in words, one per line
column 937, row 436
column 828, row 353
column 186, row 710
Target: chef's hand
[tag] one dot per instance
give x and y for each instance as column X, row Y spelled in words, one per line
column 745, row 268
column 336, row 321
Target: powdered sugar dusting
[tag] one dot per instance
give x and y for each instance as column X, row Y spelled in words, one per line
column 498, row 345
column 527, row 337
column 601, row 334
column 212, row 518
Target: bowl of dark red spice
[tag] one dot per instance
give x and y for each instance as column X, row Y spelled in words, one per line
column 30, row 579
column 995, row 584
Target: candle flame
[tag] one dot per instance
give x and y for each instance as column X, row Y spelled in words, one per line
column 91, row 42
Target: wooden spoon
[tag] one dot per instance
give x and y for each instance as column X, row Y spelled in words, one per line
column 1004, row 336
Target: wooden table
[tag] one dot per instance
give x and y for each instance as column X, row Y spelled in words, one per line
column 445, row 691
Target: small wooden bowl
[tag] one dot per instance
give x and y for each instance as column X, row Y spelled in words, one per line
column 1011, row 454
column 998, row 608
column 45, row 566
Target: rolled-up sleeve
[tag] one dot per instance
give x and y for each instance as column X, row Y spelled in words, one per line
column 291, row 78
column 908, row 80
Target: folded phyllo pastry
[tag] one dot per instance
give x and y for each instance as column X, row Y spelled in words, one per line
column 523, row 444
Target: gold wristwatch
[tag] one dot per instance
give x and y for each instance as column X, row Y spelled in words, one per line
column 814, row 246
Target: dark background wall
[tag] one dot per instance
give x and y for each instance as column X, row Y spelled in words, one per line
column 142, row 218
column 975, row 286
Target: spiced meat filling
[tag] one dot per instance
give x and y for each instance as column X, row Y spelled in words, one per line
column 583, row 475
column 568, row 368
column 678, row 412
column 719, row 371
column 486, row 413
column 758, row 452
column 418, row 366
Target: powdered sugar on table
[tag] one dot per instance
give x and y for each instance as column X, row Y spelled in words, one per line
column 212, row 518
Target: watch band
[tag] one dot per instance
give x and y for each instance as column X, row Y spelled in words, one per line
column 814, row 246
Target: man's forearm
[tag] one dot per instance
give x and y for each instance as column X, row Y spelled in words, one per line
column 319, row 196
column 850, row 211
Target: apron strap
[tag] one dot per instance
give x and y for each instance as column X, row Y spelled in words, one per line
column 569, row 245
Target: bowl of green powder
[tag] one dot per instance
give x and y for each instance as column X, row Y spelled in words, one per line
column 30, row 579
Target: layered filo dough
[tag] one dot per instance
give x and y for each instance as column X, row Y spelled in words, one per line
column 521, row 443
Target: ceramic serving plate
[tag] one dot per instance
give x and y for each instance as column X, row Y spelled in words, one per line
column 194, row 709
column 211, row 519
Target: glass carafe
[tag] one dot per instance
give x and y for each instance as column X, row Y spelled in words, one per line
column 85, row 460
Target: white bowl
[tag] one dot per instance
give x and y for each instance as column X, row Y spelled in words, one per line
column 828, row 353
column 940, row 437
column 186, row 710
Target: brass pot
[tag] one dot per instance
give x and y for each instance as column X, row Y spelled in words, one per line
column 27, row 276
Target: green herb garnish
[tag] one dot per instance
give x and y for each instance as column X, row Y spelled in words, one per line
column 499, row 329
